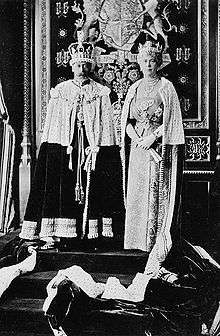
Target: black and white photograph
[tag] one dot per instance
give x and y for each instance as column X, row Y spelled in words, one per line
column 109, row 168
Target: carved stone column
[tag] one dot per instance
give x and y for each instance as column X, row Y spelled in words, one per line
column 25, row 164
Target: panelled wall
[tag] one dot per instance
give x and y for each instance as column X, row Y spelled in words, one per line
column 201, row 136
column 192, row 36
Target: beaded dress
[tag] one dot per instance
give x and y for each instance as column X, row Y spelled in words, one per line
column 152, row 188
column 143, row 177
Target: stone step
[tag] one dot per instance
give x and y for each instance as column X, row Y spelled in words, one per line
column 115, row 262
column 33, row 285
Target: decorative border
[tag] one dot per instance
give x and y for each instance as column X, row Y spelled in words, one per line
column 203, row 69
column 198, row 172
column 42, row 61
column 27, row 128
column 27, row 68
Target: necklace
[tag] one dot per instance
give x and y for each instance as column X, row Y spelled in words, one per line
column 81, row 83
column 149, row 85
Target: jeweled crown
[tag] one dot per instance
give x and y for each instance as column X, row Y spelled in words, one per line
column 150, row 48
column 81, row 51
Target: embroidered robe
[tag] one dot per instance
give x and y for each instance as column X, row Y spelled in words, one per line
column 53, row 209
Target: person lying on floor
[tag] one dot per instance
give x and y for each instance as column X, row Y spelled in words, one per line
column 73, row 293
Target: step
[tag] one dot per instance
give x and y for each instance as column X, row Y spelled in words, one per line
column 33, row 285
column 23, row 315
column 113, row 262
column 26, row 316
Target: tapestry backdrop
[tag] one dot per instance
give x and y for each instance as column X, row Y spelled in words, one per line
column 116, row 28
column 180, row 27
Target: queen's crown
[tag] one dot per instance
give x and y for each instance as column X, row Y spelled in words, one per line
column 150, row 48
column 81, row 51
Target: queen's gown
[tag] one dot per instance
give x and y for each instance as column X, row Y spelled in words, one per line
column 153, row 183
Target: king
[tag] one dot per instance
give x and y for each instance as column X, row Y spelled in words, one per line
column 73, row 195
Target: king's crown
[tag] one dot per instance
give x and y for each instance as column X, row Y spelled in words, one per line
column 81, row 51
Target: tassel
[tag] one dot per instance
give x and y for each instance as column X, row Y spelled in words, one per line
column 69, row 152
column 107, row 227
column 77, row 193
column 81, row 195
column 93, row 228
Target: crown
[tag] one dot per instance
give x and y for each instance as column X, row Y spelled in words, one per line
column 81, row 51
column 150, row 48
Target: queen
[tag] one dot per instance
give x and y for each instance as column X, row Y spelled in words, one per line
column 151, row 118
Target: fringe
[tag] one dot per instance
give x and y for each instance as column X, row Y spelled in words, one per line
column 93, row 228
column 107, row 227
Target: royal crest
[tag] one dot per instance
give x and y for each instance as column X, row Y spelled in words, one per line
column 120, row 21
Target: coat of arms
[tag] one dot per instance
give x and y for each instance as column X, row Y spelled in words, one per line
column 121, row 21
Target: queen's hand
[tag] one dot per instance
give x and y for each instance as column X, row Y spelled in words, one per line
column 146, row 142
